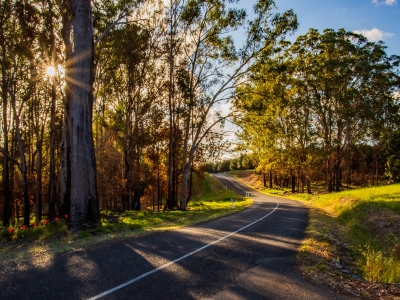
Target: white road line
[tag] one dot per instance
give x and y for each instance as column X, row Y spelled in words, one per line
column 178, row 259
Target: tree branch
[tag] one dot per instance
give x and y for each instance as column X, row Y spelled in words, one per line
column 10, row 157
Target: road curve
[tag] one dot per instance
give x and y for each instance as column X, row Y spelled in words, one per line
column 247, row 255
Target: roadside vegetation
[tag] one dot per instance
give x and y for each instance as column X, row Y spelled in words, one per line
column 352, row 243
column 211, row 200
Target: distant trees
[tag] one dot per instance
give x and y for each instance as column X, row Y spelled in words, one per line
column 114, row 104
column 312, row 106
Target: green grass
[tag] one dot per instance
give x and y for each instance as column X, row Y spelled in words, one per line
column 368, row 219
column 383, row 197
column 356, row 217
column 213, row 201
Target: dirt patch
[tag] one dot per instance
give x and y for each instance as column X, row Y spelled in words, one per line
column 250, row 178
column 382, row 222
column 356, row 288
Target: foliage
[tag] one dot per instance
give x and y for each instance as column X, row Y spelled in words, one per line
column 160, row 69
column 310, row 106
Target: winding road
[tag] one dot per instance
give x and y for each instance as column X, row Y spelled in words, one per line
column 247, row 255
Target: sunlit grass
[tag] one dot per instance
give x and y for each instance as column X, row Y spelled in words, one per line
column 213, row 201
column 357, row 217
column 337, row 203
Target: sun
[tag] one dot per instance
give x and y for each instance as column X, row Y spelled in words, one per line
column 50, row 71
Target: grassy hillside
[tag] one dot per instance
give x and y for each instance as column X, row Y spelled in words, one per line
column 211, row 200
column 369, row 222
column 352, row 236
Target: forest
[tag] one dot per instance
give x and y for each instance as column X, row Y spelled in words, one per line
column 122, row 109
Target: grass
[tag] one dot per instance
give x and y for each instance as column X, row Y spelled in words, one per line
column 359, row 227
column 369, row 220
column 213, row 201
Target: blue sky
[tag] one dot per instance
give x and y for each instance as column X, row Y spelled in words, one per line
column 376, row 19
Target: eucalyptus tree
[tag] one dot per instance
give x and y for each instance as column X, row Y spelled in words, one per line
column 7, row 10
column 130, row 83
column 332, row 90
column 53, row 40
column 23, row 84
column 78, row 164
column 215, row 68
column 349, row 81
column 23, row 64
column 45, row 114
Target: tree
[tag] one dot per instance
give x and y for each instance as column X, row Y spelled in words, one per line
column 214, row 67
column 80, row 161
column 317, row 97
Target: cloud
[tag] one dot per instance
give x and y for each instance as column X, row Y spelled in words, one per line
column 385, row 2
column 375, row 35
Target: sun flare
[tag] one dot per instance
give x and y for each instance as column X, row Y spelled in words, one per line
column 50, row 71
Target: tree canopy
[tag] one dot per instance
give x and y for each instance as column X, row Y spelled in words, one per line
column 311, row 105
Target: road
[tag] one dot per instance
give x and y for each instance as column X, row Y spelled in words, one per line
column 247, row 255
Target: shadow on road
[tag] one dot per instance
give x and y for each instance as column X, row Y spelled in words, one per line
column 255, row 263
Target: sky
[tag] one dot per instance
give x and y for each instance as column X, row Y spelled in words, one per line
column 375, row 19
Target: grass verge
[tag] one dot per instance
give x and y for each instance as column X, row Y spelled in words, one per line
column 41, row 243
column 352, row 242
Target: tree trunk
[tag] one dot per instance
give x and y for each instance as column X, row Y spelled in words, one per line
column 190, row 187
column 171, row 121
column 23, row 166
column 184, row 186
column 308, row 182
column 158, row 180
column 65, row 149
column 7, row 209
column 52, row 180
column 264, row 179
column 38, row 202
column 270, row 180
column 338, row 169
column 136, row 197
column 84, row 200
column 328, row 176
column 12, row 171
column 52, row 169
column 293, row 183
column 185, row 178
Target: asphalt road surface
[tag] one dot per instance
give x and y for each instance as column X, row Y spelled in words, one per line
column 247, row 255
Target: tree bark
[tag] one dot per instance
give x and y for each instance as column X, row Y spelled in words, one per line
column 65, row 172
column 6, row 172
column 171, row 121
column 270, row 179
column 84, row 200
column 52, row 180
column 39, row 162
column 23, row 166
column 293, row 183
